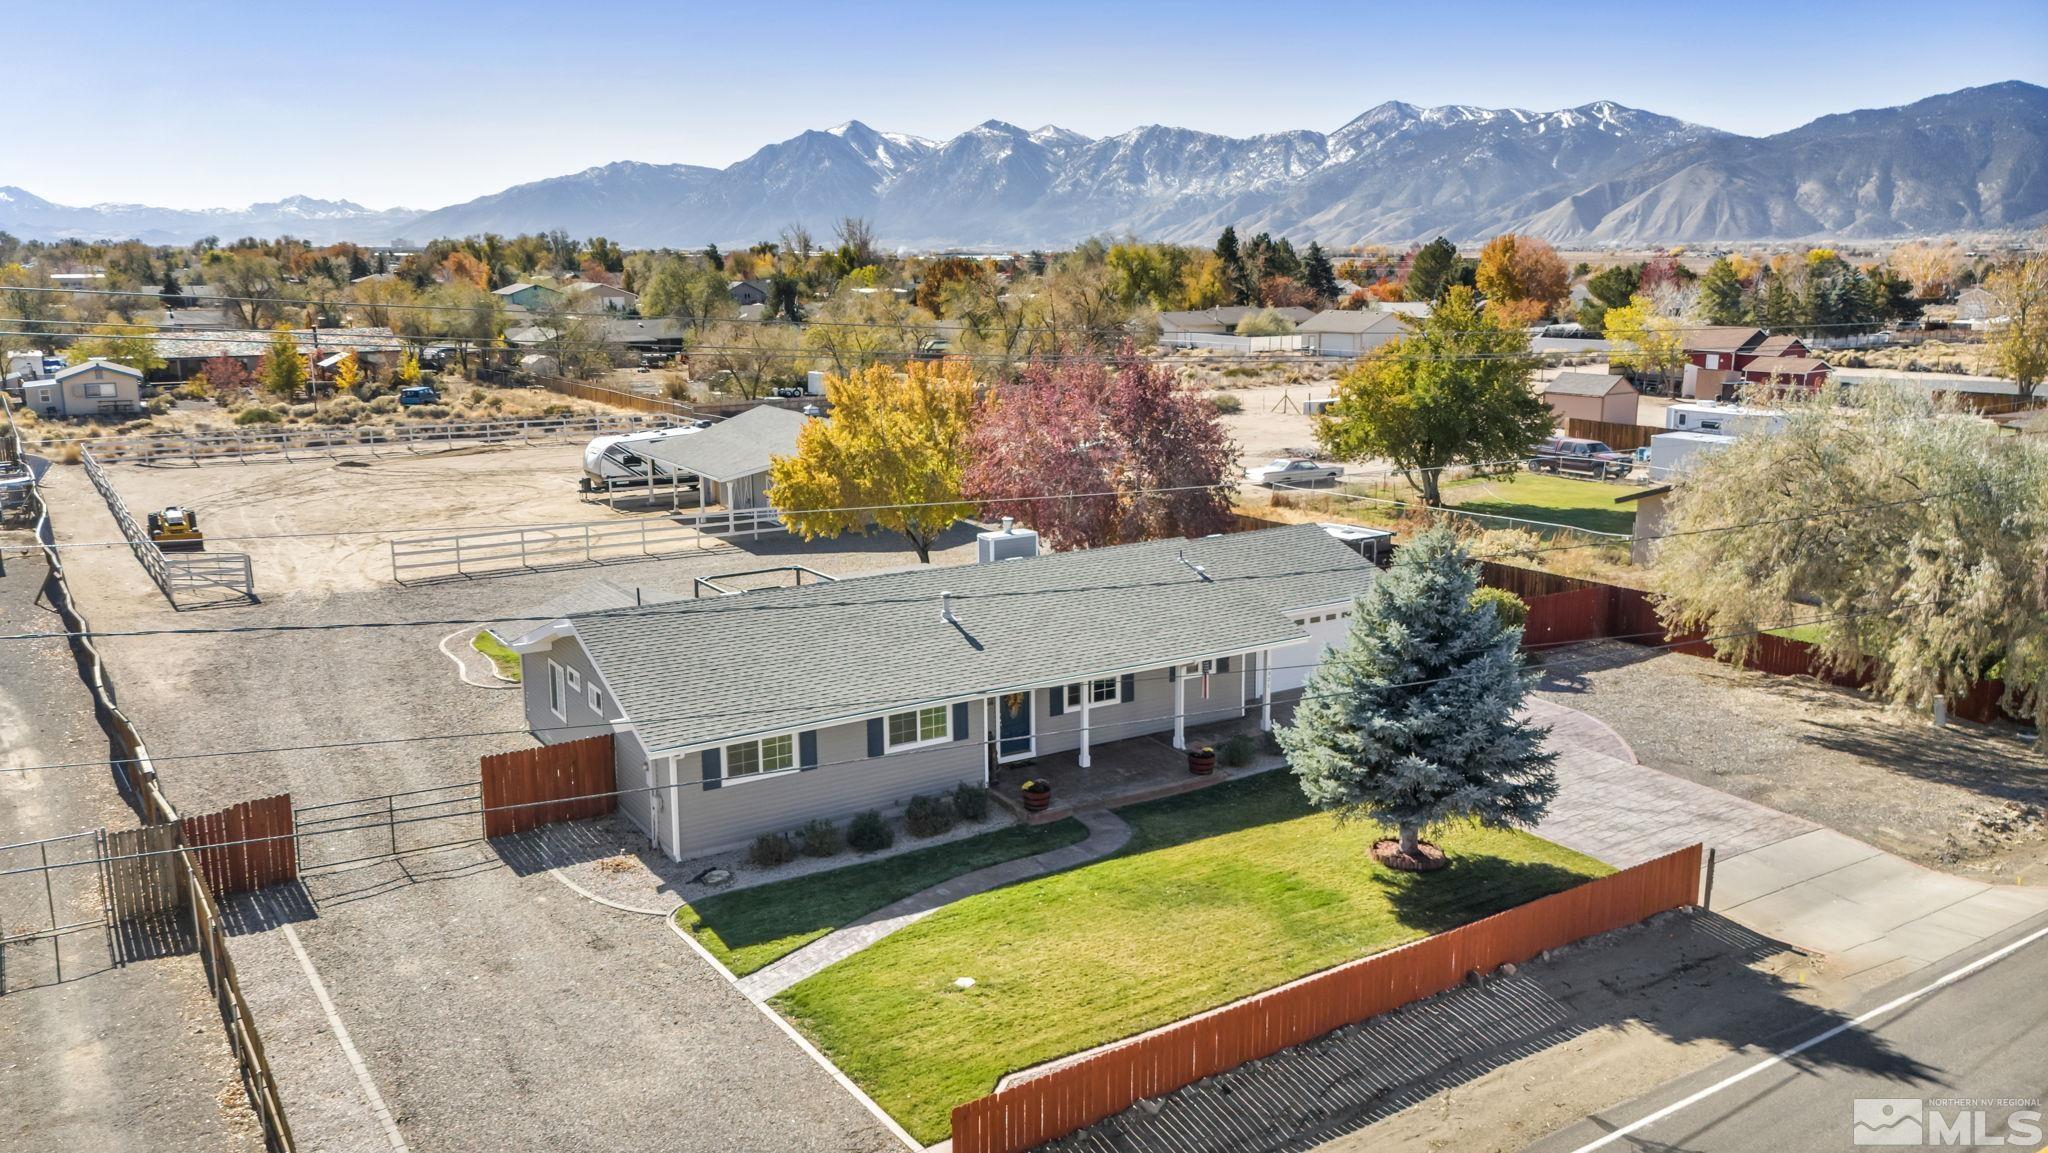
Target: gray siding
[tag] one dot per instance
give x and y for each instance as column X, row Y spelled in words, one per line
column 846, row 781
column 582, row 720
column 1151, row 712
column 631, row 777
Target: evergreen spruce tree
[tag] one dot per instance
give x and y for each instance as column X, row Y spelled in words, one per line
column 1411, row 721
column 1317, row 275
column 1433, row 270
column 1721, row 297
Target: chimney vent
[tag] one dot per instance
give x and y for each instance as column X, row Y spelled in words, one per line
column 946, row 609
column 1009, row 525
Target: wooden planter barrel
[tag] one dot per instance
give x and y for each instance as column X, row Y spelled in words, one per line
column 1202, row 762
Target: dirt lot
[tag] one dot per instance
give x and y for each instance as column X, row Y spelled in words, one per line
column 1966, row 799
column 492, row 1007
column 318, row 527
column 122, row 1054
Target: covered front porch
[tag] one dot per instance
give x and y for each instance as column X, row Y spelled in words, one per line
column 1141, row 768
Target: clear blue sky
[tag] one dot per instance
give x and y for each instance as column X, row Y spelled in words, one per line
column 196, row 104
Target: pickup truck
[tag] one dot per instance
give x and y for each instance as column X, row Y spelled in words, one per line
column 1562, row 454
column 1293, row 470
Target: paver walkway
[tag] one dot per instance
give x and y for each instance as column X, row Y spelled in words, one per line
column 1107, row 833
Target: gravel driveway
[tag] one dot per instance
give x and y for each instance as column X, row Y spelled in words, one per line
column 1964, row 799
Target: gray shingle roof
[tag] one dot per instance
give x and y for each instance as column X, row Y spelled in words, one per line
column 734, row 447
column 1354, row 320
column 1583, row 384
column 702, row 671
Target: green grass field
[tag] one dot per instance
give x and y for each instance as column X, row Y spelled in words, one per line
column 1221, row 893
column 1586, row 504
column 506, row 660
column 750, row 928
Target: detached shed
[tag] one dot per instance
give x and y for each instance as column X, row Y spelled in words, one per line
column 1591, row 396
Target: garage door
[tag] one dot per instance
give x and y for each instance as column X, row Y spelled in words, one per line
column 1291, row 666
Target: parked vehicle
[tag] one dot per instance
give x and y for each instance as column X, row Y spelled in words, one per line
column 1293, row 470
column 1562, row 454
column 418, row 394
column 176, row 528
column 617, row 461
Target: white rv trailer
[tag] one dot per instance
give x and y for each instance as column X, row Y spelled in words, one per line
column 617, row 462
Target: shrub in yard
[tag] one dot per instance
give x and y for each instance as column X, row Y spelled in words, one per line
column 303, row 410
column 1237, row 751
column 820, row 839
column 771, row 849
column 869, row 833
column 970, row 802
column 384, row 405
column 1226, row 403
column 927, row 815
column 257, row 414
column 1511, row 609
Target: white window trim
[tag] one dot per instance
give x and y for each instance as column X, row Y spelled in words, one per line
column 575, row 681
column 558, row 695
column 596, row 698
column 796, row 759
column 1116, row 692
column 889, row 747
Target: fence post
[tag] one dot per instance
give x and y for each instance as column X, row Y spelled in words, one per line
column 50, row 899
column 1707, row 888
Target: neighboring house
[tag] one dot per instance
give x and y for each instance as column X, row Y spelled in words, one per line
column 1592, row 396
column 597, row 296
column 740, row 715
column 1221, row 321
column 1711, row 356
column 746, row 292
column 527, row 296
column 1351, row 332
column 89, row 389
column 1980, row 308
column 1803, row 372
column 731, row 458
column 1413, row 309
column 185, row 353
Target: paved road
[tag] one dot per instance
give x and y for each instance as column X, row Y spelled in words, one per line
column 1976, row 1037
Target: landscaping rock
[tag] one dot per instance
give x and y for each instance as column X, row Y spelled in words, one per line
column 713, row 876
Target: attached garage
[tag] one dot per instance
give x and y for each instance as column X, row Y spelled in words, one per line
column 1326, row 627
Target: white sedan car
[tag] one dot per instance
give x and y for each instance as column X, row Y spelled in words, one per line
column 1293, row 470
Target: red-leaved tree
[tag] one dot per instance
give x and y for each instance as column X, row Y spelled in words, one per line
column 1152, row 449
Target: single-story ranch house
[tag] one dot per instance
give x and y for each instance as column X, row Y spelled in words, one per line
column 756, row 712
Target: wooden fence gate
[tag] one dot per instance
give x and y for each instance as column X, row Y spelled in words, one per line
column 139, row 871
column 246, row 846
column 526, row 789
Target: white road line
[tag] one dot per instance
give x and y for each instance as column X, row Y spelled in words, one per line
column 1817, row 1039
column 348, row 1046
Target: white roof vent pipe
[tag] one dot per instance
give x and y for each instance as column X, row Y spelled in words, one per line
column 946, row 609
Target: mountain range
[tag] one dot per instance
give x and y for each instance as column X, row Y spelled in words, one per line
column 1601, row 173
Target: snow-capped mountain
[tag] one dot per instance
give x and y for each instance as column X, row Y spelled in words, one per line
column 1597, row 173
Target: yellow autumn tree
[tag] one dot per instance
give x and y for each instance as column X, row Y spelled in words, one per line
column 889, row 457
column 1644, row 341
column 347, row 375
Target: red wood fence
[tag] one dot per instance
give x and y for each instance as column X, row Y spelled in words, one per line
column 1622, row 437
column 246, row 846
column 1075, row 1096
column 515, row 783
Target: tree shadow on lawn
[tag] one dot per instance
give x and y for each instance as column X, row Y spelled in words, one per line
column 1686, row 977
column 1472, row 886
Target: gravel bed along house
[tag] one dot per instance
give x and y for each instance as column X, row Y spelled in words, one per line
column 1966, row 799
column 633, row 874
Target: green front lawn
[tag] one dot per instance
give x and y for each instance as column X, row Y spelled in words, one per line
column 748, row 929
column 1220, row 894
column 1586, row 504
column 506, row 660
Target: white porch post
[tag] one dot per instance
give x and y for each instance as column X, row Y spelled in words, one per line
column 988, row 721
column 1266, row 690
column 1180, row 709
column 675, row 808
column 1087, row 698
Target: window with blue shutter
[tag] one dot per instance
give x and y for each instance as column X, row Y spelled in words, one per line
column 960, row 724
column 1057, row 697
column 807, row 749
column 1129, row 691
column 713, row 767
column 876, row 737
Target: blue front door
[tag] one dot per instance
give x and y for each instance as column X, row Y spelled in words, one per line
column 1013, row 727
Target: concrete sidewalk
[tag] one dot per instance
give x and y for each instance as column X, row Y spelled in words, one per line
column 1873, row 914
